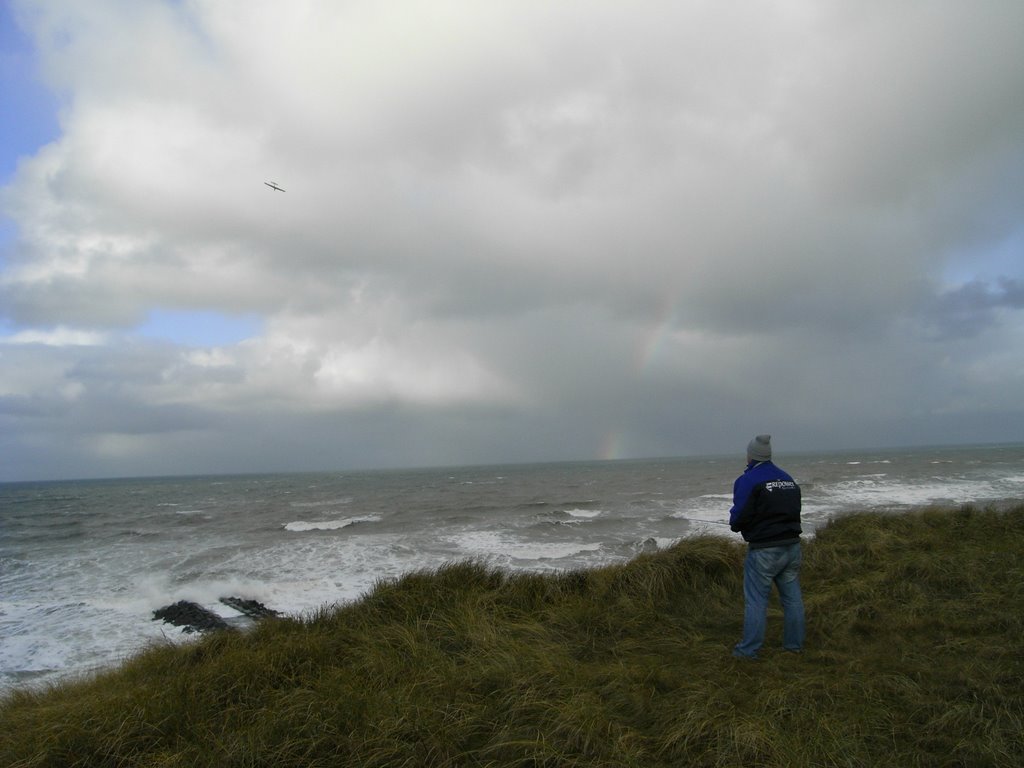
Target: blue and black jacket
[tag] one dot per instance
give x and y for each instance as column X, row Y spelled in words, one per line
column 766, row 506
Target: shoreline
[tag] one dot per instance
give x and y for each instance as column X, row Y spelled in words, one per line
column 910, row 659
column 183, row 634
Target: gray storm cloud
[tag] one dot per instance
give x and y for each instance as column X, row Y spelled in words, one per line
column 514, row 231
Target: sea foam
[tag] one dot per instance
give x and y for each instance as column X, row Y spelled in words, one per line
column 329, row 525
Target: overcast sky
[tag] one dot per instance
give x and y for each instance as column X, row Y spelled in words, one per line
column 511, row 231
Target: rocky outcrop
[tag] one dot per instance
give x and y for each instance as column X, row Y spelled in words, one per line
column 192, row 617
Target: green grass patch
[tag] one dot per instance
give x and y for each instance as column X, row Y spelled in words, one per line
column 914, row 658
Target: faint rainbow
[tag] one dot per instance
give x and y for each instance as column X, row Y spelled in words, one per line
column 611, row 446
column 652, row 344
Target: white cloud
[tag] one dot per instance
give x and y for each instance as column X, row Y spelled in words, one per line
column 557, row 226
column 57, row 337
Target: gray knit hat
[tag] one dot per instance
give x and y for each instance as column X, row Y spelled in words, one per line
column 760, row 448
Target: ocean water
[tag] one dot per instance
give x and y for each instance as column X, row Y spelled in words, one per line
column 84, row 564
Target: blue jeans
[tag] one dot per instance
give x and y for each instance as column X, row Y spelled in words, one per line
column 780, row 565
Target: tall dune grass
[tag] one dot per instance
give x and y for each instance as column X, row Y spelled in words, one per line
column 914, row 658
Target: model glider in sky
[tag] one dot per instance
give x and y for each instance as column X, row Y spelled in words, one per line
column 273, row 185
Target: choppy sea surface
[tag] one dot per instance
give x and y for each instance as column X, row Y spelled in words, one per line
column 83, row 564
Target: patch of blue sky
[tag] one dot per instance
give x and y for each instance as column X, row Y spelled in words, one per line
column 200, row 328
column 1004, row 259
column 28, row 110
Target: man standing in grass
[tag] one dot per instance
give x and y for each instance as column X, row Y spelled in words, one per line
column 766, row 511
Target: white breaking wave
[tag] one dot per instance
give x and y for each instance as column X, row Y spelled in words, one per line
column 873, row 491
column 584, row 513
column 329, row 525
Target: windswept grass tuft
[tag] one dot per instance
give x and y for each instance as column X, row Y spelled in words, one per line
column 914, row 658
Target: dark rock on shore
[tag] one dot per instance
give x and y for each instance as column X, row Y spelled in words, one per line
column 190, row 617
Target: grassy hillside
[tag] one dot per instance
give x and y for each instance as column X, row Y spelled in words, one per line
column 914, row 658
